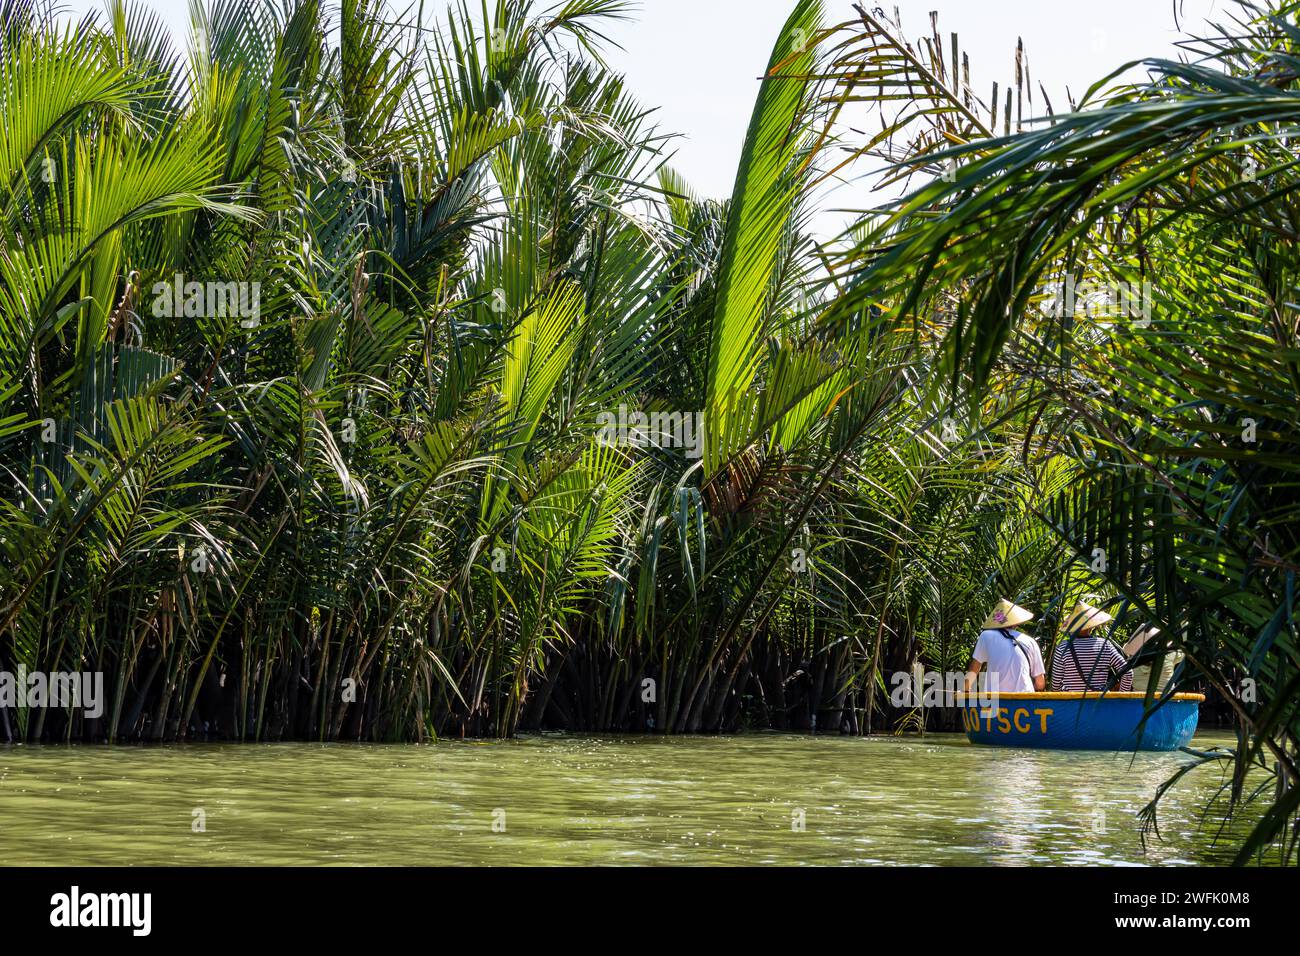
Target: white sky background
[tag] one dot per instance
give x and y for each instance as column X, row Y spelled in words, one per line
column 699, row 60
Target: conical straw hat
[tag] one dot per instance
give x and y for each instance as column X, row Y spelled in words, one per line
column 1139, row 640
column 1006, row 614
column 1085, row 618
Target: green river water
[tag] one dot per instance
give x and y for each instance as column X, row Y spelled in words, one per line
column 600, row 800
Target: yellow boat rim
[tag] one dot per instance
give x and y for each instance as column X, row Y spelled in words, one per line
column 1086, row 695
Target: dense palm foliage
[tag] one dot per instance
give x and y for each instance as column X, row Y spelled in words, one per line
column 1176, row 421
column 381, row 505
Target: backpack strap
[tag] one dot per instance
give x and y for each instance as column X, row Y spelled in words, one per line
column 1029, row 661
column 1087, row 679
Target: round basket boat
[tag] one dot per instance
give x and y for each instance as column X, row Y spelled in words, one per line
column 1086, row 720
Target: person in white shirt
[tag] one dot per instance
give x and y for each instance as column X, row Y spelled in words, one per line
column 1006, row 652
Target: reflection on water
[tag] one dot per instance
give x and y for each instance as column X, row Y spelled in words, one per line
column 593, row 800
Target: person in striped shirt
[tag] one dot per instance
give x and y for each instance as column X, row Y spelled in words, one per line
column 1085, row 660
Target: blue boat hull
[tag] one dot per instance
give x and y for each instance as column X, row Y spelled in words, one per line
column 1091, row 721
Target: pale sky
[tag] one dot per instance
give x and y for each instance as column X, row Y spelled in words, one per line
column 699, row 60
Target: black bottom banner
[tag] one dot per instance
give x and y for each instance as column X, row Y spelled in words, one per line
column 355, row 905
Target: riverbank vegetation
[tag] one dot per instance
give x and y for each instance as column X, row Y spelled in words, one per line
column 329, row 350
